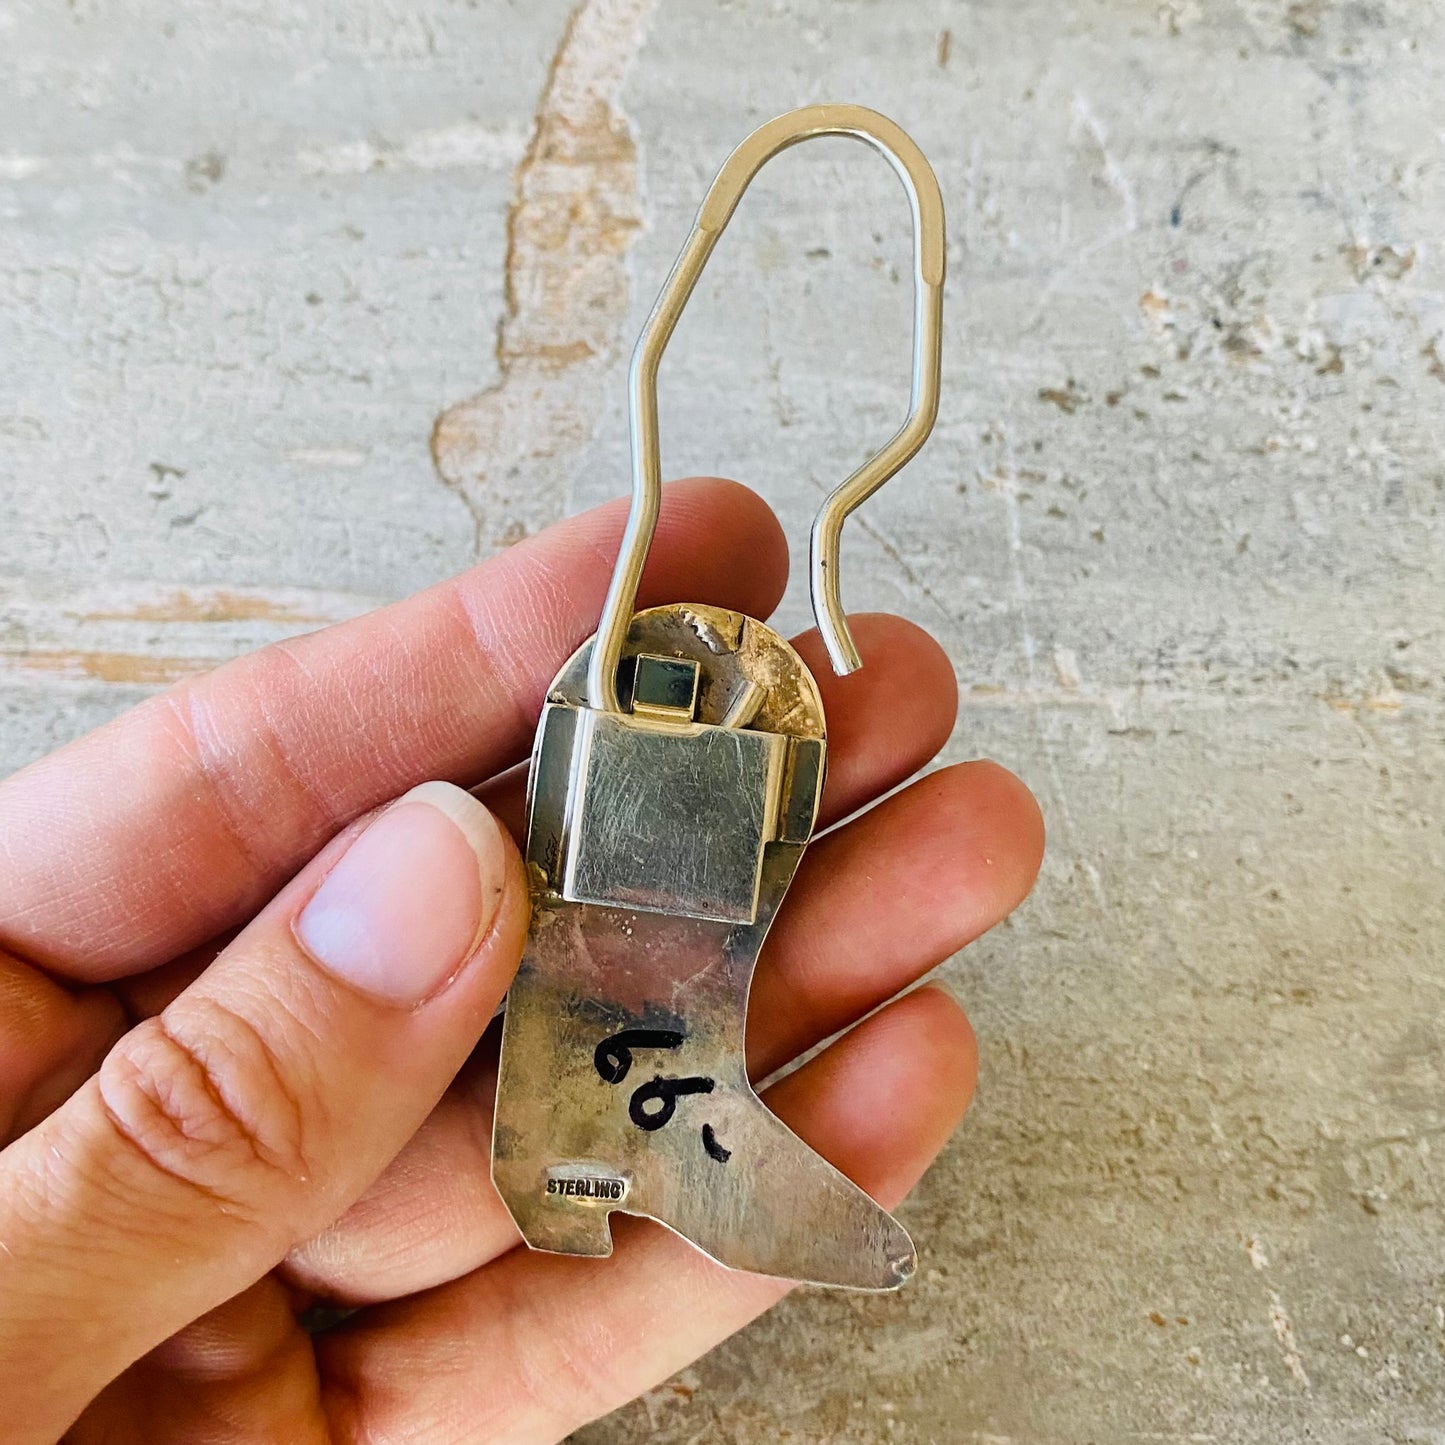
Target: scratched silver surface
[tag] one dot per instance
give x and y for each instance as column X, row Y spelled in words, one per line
column 575, row 1138
column 710, row 792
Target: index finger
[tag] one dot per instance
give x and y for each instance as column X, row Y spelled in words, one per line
column 181, row 817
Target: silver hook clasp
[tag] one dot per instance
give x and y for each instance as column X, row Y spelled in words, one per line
column 717, row 208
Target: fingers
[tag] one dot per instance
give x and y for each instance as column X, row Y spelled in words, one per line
column 434, row 1214
column 879, row 903
column 244, row 1372
column 259, row 1104
column 50, row 1042
column 884, row 722
column 180, row 818
column 534, row 1346
column 875, row 906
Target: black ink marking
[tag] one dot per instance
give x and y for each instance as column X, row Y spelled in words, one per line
column 665, row 1093
column 714, row 1149
column 613, row 1056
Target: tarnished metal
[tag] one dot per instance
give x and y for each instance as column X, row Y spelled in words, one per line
column 623, row 1083
column 639, row 787
column 675, row 783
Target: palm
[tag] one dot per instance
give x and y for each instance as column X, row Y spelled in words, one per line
column 135, row 853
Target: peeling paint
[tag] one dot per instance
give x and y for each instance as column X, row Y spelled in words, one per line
column 511, row 452
column 143, row 635
column 218, row 606
column 130, row 668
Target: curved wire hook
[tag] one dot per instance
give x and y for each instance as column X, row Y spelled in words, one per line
column 717, row 208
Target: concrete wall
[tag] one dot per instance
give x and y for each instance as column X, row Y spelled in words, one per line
column 302, row 307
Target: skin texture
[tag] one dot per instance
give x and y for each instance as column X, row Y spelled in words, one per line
column 208, row 1133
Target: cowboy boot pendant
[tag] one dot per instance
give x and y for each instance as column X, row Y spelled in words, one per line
column 675, row 783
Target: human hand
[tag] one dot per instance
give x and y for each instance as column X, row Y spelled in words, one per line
column 235, row 1083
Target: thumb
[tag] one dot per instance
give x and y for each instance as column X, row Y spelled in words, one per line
column 259, row 1105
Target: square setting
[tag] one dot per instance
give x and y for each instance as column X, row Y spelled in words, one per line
column 665, row 687
column 671, row 818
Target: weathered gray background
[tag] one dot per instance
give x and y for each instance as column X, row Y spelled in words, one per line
column 301, row 307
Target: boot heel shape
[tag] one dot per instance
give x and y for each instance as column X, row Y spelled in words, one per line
column 660, row 843
column 675, row 783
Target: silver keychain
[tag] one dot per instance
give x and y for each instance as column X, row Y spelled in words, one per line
column 675, row 782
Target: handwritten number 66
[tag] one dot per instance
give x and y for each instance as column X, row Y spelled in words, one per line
column 653, row 1104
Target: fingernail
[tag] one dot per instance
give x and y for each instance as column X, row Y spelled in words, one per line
column 411, row 898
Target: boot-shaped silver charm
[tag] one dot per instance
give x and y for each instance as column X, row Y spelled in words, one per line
column 675, row 783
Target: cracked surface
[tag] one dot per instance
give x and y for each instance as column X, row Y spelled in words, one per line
column 1179, row 527
column 511, row 452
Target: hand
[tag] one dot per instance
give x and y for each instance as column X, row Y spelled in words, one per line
column 235, row 1083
